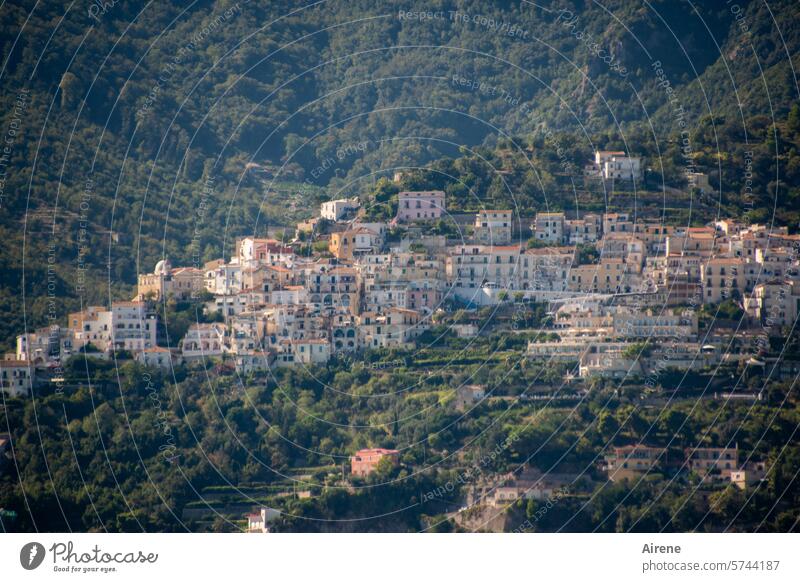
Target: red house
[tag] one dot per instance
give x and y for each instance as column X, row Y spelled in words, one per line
column 365, row 461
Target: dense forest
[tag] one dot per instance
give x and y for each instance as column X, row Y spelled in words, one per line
column 135, row 450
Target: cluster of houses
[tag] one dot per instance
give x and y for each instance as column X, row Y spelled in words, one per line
column 527, row 483
column 649, row 284
column 711, row 467
column 276, row 306
column 710, row 464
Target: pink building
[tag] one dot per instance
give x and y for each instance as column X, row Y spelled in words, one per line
column 365, row 461
column 416, row 206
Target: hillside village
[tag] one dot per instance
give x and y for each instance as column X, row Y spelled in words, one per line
column 627, row 299
column 610, row 283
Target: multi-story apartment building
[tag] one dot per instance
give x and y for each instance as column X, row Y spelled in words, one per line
column 291, row 295
column 268, row 251
column 633, row 461
column 392, row 327
column 654, row 235
column 232, row 305
column 714, row 462
column 336, row 210
column 622, row 168
column 423, row 298
column 549, row 227
column 473, row 266
column 307, row 352
column 16, row 377
column 625, row 246
column 558, row 351
column 493, row 227
column 759, row 236
column 617, row 165
column 774, row 263
column 407, row 280
column 350, row 243
column 45, row 345
column 386, row 295
column 723, row 278
column 223, row 278
column 609, row 276
column 623, row 323
column 680, row 289
column 293, row 322
column 128, row 325
column 204, row 340
column 697, row 242
column 546, row 268
column 616, row 222
column 775, row 304
column 93, row 326
column 678, row 265
column 405, row 268
column 134, row 327
column 266, row 278
column 584, row 230
column 420, row 206
column 344, row 332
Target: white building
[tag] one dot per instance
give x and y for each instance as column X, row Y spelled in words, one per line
column 45, row 345
column 204, row 340
column 155, row 357
column 134, row 329
column 308, row 351
column 336, row 210
column 291, row 295
column 582, row 230
column 549, row 227
column 223, row 279
column 126, row 326
column 259, row 522
column 253, row 251
column 493, row 227
column 16, row 377
column 617, row 165
column 254, row 361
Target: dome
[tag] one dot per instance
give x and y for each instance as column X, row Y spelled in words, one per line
column 163, row 267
